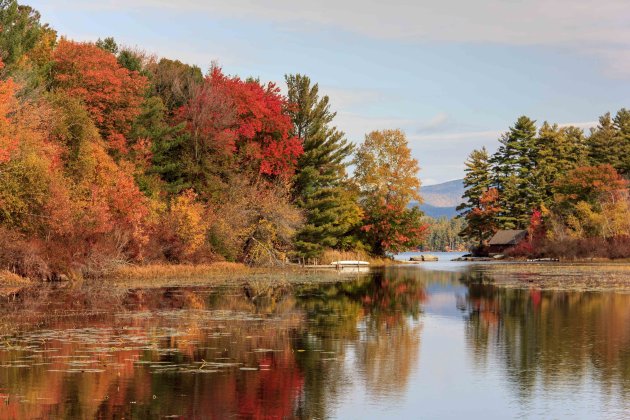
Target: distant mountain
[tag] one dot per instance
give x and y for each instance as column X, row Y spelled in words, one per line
column 442, row 199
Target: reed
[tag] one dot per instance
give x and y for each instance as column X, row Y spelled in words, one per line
column 10, row 278
column 180, row 271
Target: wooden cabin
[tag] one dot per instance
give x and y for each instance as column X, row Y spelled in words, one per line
column 505, row 239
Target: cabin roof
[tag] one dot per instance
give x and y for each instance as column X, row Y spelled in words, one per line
column 508, row 237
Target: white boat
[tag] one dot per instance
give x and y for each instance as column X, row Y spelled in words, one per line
column 349, row 263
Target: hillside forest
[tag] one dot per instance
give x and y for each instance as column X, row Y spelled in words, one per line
column 110, row 155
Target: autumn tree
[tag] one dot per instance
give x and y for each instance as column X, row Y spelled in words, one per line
column 111, row 93
column 387, row 177
column 8, row 103
column 477, row 182
column 481, row 220
column 593, row 202
column 174, row 82
column 321, row 184
column 241, row 124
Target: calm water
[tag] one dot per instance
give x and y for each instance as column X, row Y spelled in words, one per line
column 409, row 342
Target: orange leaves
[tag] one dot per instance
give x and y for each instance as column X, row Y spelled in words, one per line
column 592, row 184
column 387, row 176
column 111, row 93
column 8, row 103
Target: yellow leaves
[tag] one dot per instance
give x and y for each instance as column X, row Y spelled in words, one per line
column 612, row 220
column 188, row 221
column 386, row 168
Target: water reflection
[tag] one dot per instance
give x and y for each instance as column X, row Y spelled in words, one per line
column 365, row 347
column 544, row 337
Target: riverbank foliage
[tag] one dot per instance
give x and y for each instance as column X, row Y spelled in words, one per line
column 110, row 155
column 569, row 189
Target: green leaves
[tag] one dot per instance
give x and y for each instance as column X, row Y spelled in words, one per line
column 321, row 186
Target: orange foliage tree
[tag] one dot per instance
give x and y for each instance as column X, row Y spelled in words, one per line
column 111, row 93
column 387, row 176
column 593, row 202
column 8, row 142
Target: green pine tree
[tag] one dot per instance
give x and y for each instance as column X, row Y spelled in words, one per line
column 167, row 148
column 514, row 163
column 321, row 186
column 603, row 147
column 556, row 151
column 622, row 124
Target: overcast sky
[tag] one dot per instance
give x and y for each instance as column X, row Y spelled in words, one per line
column 453, row 74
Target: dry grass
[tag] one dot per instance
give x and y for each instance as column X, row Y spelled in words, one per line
column 178, row 271
column 333, row 255
column 9, row 278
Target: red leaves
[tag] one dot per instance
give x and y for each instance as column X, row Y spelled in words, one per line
column 230, row 116
column 111, row 93
column 397, row 228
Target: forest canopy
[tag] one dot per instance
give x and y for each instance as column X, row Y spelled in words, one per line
column 110, row 155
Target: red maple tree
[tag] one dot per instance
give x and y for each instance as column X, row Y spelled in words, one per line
column 111, row 93
column 233, row 117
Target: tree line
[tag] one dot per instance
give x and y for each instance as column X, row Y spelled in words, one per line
column 568, row 188
column 110, row 155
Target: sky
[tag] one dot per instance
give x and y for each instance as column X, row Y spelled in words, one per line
column 453, row 74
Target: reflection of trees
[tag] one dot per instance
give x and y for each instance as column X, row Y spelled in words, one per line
column 180, row 332
column 377, row 318
column 311, row 329
column 550, row 336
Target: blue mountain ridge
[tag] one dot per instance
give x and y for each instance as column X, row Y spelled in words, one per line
column 441, row 200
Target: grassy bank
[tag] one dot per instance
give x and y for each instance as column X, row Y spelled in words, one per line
column 179, row 271
column 7, row 278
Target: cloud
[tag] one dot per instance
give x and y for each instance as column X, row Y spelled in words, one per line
column 341, row 98
column 542, row 22
column 466, row 135
column 598, row 30
column 434, row 124
column 356, row 126
column 584, row 125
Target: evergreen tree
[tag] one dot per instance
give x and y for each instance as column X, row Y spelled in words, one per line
column 556, row 151
column 514, row 163
column 167, row 146
column 602, row 143
column 609, row 143
column 108, row 44
column 622, row 124
column 476, row 182
column 20, row 30
column 321, row 186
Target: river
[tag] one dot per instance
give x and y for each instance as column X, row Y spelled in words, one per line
column 424, row 341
